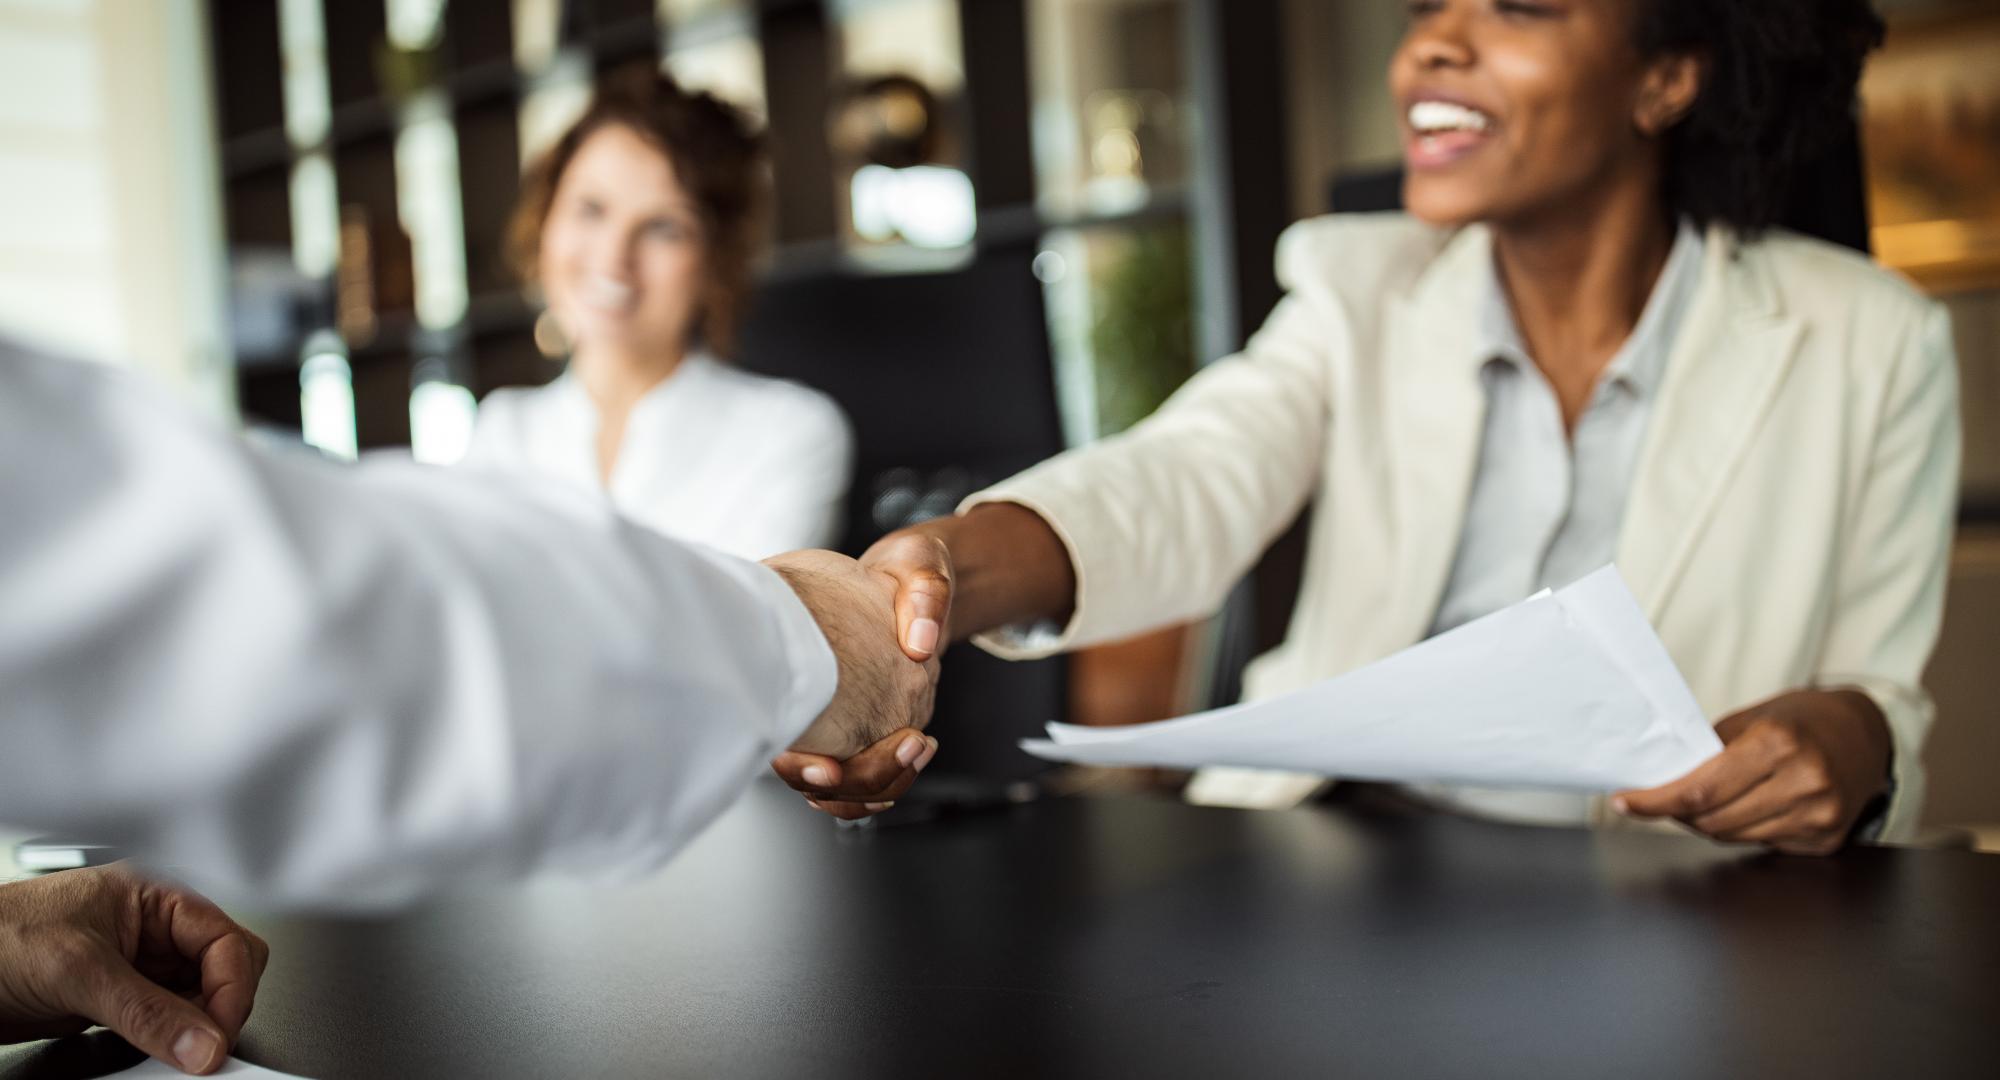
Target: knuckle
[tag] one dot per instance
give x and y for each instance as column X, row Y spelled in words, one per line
column 1697, row 797
column 142, row 1013
column 1822, row 816
column 938, row 554
column 1779, row 739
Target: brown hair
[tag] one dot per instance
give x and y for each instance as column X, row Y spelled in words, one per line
column 716, row 158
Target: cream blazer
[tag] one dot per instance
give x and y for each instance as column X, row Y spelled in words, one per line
column 1788, row 526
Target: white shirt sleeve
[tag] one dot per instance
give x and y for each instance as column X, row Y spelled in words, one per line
column 305, row 683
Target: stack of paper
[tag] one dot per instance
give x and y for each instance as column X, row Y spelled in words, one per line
column 1567, row 690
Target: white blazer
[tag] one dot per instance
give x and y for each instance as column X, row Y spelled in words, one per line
column 1789, row 521
column 306, row 683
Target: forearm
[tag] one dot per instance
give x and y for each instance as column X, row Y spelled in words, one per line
column 1009, row 567
column 331, row 685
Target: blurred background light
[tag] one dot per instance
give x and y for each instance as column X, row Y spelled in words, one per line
column 326, row 398
column 441, row 416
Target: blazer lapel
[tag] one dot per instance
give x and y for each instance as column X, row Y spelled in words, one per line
column 1722, row 375
column 1437, row 413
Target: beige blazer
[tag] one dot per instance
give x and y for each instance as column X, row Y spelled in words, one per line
column 1788, row 527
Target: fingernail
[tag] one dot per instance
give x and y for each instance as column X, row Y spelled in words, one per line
column 814, row 803
column 924, row 635
column 817, row 775
column 195, row 1050
column 877, row 807
column 907, row 753
column 929, row 753
column 1618, row 804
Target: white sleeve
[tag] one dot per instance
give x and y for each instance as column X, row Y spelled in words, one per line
column 1890, row 601
column 304, row 683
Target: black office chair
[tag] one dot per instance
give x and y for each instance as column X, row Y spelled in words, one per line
column 947, row 378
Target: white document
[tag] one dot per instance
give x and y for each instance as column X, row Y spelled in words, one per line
column 1568, row 690
column 155, row 1069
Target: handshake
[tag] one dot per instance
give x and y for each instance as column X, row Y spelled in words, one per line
column 884, row 616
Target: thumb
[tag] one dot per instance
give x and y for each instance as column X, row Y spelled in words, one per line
column 922, row 570
column 153, row 1019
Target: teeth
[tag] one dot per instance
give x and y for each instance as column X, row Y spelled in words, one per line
column 604, row 292
column 1429, row 117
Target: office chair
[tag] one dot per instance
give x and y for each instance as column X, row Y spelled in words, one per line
column 947, row 378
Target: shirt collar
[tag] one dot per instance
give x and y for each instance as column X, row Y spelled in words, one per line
column 1642, row 360
column 695, row 370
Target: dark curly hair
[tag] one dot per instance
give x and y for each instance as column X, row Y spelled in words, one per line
column 1779, row 86
column 718, row 160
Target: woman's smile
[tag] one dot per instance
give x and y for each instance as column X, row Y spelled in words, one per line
column 606, row 295
column 1439, row 131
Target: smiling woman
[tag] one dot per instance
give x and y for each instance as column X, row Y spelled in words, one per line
column 1584, row 344
column 639, row 228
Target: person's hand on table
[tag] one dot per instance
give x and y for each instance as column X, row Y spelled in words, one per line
column 160, row 965
column 867, row 748
column 1795, row 773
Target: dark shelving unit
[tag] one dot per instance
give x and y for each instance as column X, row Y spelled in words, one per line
column 473, row 70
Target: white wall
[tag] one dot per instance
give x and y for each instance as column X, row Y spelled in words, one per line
column 110, row 229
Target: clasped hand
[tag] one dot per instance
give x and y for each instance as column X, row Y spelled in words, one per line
column 1796, row 772
column 887, row 623
column 867, row 748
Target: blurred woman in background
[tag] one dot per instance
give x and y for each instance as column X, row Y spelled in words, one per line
column 1584, row 343
column 640, row 227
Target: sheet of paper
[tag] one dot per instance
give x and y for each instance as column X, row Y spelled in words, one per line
column 155, row 1069
column 1568, row 690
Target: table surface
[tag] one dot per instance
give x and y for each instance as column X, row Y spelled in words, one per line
column 1131, row 936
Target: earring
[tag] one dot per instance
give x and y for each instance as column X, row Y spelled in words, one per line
column 550, row 340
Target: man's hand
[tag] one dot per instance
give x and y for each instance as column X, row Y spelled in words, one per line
column 881, row 690
column 1794, row 773
column 150, row 960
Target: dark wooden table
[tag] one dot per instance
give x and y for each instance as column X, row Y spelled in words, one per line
column 1129, row 937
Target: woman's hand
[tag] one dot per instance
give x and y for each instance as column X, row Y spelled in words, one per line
column 1795, row 773
column 921, row 564
column 150, row 960
column 865, row 784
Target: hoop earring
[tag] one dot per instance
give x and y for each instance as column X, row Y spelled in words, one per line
column 550, row 340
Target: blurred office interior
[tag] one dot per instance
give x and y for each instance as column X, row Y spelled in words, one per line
column 1001, row 227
